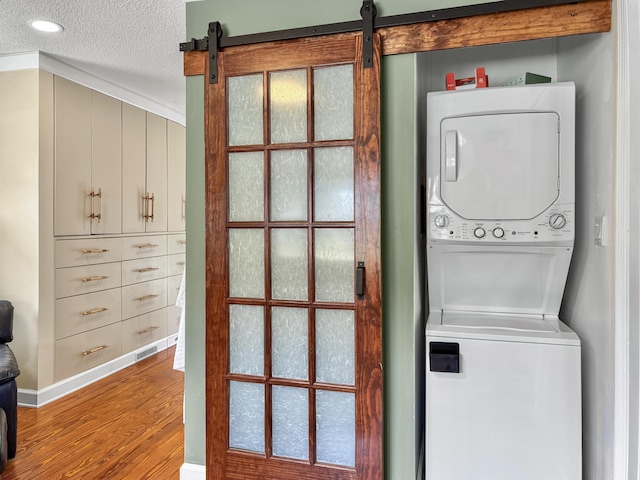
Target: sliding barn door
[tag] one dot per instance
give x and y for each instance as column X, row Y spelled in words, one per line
column 294, row 347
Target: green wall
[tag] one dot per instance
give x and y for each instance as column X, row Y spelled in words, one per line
column 401, row 261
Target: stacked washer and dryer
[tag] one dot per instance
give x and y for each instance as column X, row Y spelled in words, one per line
column 503, row 390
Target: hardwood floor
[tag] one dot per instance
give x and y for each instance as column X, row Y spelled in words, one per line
column 127, row 426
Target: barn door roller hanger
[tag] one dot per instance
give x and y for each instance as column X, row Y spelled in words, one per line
column 215, row 40
column 370, row 21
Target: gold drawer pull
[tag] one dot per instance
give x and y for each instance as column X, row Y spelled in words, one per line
column 95, row 310
column 95, row 250
column 147, row 297
column 94, row 350
column 182, row 242
column 147, row 330
column 95, row 279
column 147, row 245
column 149, row 206
column 93, row 195
column 180, row 263
column 145, row 270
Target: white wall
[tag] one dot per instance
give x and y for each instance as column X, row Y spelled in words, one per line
column 588, row 305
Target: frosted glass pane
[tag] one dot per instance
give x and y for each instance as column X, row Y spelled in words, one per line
column 334, row 264
column 335, row 347
column 246, row 110
column 289, row 106
column 290, row 343
column 334, row 184
column 336, row 428
column 333, row 102
column 289, row 185
column 246, row 187
column 246, row 416
column 290, row 422
column 246, row 339
column 289, row 264
column 246, row 262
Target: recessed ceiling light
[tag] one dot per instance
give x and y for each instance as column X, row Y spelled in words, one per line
column 47, row 26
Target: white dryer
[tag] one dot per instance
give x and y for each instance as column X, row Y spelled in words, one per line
column 503, row 393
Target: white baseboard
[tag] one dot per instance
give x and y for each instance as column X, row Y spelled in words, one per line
column 38, row 398
column 191, row 471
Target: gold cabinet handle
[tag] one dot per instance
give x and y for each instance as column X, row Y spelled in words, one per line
column 182, row 242
column 149, row 199
column 95, row 279
column 93, row 196
column 147, row 297
column 94, row 350
column 94, row 311
column 181, row 264
column 147, row 330
column 147, row 245
column 184, row 207
column 145, row 270
column 95, row 250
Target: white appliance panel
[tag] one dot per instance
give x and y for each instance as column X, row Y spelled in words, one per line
column 551, row 100
column 497, row 279
column 500, row 166
column 513, row 412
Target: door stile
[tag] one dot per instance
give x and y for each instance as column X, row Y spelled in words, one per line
column 369, row 376
column 217, row 330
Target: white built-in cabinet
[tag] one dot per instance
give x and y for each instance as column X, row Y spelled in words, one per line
column 105, row 197
column 119, row 199
column 176, row 188
column 156, row 175
column 88, row 161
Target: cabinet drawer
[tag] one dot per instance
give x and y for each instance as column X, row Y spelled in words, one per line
column 143, row 247
column 176, row 243
column 175, row 264
column 173, row 287
column 143, row 297
column 143, row 330
column 88, row 251
column 86, row 312
column 92, row 278
column 143, row 269
column 173, row 319
column 86, row 350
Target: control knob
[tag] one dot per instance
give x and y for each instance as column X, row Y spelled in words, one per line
column 441, row 221
column 479, row 232
column 557, row 221
column 498, row 232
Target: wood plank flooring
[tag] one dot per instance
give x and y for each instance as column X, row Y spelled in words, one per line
column 126, row 426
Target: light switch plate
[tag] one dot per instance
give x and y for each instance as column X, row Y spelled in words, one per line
column 599, row 231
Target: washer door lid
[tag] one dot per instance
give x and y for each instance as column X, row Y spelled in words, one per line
column 517, row 323
column 500, row 166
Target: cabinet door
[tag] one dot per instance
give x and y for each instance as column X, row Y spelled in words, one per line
column 176, row 179
column 106, row 164
column 134, row 152
column 156, row 220
column 72, row 205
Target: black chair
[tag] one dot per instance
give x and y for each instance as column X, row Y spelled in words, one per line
column 8, row 389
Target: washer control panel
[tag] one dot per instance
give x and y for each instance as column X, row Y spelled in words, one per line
column 554, row 225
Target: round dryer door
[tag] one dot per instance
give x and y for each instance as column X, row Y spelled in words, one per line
column 500, row 166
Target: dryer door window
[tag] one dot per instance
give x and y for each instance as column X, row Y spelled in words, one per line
column 501, row 166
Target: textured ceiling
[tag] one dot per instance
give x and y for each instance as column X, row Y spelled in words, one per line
column 133, row 44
